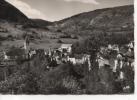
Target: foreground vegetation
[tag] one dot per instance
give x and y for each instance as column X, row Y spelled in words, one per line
column 33, row 77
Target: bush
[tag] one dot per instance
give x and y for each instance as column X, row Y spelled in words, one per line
column 24, row 35
column 10, row 37
column 59, row 30
column 59, row 41
column 65, row 36
column 13, row 84
column 74, row 37
column 2, row 38
column 59, row 81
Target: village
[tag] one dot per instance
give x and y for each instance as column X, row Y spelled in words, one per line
column 119, row 59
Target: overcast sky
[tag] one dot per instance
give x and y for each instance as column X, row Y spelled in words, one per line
column 54, row 10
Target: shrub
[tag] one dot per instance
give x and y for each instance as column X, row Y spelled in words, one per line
column 74, row 37
column 65, row 36
column 12, row 84
column 10, row 37
column 59, row 41
column 2, row 38
column 59, row 30
column 59, row 81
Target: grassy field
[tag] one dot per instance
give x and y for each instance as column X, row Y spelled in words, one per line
column 39, row 44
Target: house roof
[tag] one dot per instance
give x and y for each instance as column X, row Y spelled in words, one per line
column 66, row 45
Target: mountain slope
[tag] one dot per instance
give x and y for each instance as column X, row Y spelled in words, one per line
column 14, row 22
column 115, row 19
column 41, row 22
column 10, row 13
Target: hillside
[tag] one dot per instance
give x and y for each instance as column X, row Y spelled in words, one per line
column 42, row 23
column 117, row 19
column 14, row 23
column 11, row 20
column 10, row 13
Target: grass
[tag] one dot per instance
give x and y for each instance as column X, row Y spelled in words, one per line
column 41, row 44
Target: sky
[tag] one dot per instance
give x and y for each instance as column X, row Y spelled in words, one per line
column 55, row 10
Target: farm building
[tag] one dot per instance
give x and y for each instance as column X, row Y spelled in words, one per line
column 67, row 47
